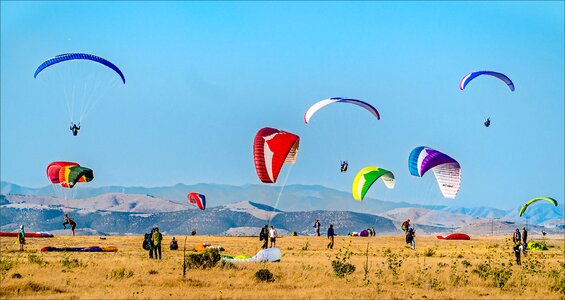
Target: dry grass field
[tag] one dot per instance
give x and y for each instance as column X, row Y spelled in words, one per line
column 480, row 268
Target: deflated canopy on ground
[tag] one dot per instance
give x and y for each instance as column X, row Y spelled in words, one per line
column 271, row 149
column 467, row 78
column 265, row 255
column 530, row 202
column 365, row 179
column 197, row 199
column 320, row 104
column 446, row 169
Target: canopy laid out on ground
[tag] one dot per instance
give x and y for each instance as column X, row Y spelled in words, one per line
column 454, row 236
column 80, row 249
column 27, row 234
column 265, row 255
column 364, row 232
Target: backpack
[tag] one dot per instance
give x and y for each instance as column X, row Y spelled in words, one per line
column 404, row 226
column 146, row 242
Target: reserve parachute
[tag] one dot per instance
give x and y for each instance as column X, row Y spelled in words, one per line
column 320, row 104
column 365, row 179
column 446, row 169
column 271, row 149
column 530, row 202
column 467, row 78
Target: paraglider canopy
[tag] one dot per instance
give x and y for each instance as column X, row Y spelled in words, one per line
column 467, row 78
column 446, row 169
column 271, row 149
column 530, row 202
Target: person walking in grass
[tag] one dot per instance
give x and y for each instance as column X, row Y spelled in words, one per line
column 331, row 235
column 317, row 226
column 21, row 237
column 410, row 234
column 264, row 236
column 157, row 238
column 273, row 236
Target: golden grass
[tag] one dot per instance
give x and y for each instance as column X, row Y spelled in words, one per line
column 301, row 274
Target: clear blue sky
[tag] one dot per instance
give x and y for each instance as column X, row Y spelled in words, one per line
column 203, row 77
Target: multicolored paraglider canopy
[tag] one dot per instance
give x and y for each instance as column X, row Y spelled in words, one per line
column 197, row 199
column 530, row 202
column 446, row 169
column 467, row 78
column 271, row 149
column 320, row 104
column 67, row 174
column 365, row 179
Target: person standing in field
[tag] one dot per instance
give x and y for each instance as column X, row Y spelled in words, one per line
column 317, row 226
column 517, row 239
column 157, row 238
column 524, row 240
column 21, row 237
column 331, row 235
column 410, row 234
column 264, row 236
column 273, row 236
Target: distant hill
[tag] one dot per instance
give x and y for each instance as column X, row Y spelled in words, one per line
column 296, row 198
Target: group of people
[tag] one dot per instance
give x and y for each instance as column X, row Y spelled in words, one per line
column 520, row 241
column 152, row 243
column 268, row 234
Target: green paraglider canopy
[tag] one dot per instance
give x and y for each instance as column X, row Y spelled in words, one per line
column 525, row 206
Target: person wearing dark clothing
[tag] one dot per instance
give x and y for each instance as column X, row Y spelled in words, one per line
column 70, row 222
column 74, row 128
column 487, row 122
column 150, row 243
column 331, row 235
column 193, row 232
column 524, row 240
column 264, row 236
column 317, row 226
column 344, row 165
column 410, row 234
column 517, row 240
column 157, row 238
column 174, row 245
column 21, row 237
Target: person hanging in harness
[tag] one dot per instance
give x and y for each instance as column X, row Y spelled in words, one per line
column 74, row 128
column 71, row 223
column 344, row 165
column 487, row 122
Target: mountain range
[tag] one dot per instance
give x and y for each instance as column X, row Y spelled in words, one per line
column 241, row 210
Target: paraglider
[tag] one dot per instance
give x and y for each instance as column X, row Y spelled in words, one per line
column 446, row 169
column 67, row 174
column 74, row 128
column 530, row 202
column 487, row 122
column 467, row 78
column 365, row 179
column 320, row 104
column 70, row 56
column 81, row 83
column 344, row 166
column 271, row 149
column 197, row 199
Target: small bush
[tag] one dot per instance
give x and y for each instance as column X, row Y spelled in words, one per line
column 459, row 255
column 203, row 260
column 466, row 263
column 121, row 273
column 5, row 264
column 305, row 247
column 394, row 262
column 17, row 276
column 34, row 259
column 341, row 264
column 70, row 263
column 429, row 252
column 264, row 275
column 499, row 276
column 153, row 272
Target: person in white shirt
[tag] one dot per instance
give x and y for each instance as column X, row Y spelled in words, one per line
column 273, row 236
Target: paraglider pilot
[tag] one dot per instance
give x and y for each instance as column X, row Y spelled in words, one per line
column 487, row 122
column 344, row 165
column 74, row 128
